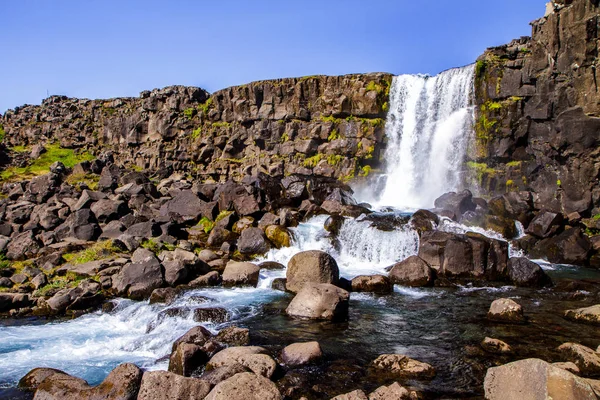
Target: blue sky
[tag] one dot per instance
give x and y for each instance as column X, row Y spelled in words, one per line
column 107, row 48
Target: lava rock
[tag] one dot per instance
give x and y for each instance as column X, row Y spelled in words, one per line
column 301, row 353
column 163, row 385
column 414, row 271
column 372, row 283
column 524, row 272
column 245, row 386
column 320, row 301
column 311, row 267
column 240, row 274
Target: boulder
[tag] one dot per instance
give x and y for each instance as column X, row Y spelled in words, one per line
column 372, row 283
column 218, row 375
column 587, row 315
column 13, row 301
column 393, row 391
column 458, row 203
column 32, row 380
column 524, row 272
column 569, row 247
column 188, row 206
column 252, row 357
column 278, row 236
column 586, row 359
column 233, row 336
column 301, row 353
column 495, row 346
column 107, row 210
column 210, row 279
column 80, row 225
column 86, row 295
column 138, row 279
column 215, row 315
column 22, row 246
column 123, row 383
column 312, row 266
column 334, row 223
column 163, row 295
column 253, row 241
column 506, row 310
column 197, row 335
column 240, row 274
column 536, row 380
column 320, row 301
column 163, row 385
column 424, row 220
column 401, row 365
column 245, row 386
column 187, row 359
column 414, row 271
column 545, row 224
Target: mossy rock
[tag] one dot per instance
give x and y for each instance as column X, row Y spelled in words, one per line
column 278, row 235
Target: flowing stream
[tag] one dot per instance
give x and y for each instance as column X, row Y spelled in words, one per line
column 428, row 131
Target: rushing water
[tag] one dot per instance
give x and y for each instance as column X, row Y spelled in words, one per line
column 428, row 128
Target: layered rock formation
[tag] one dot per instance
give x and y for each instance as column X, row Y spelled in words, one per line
column 331, row 126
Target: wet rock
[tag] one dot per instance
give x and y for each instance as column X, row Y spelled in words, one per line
column 218, row 375
column 320, row 301
column 545, row 224
column 301, row 353
column 588, row 315
column 534, row 379
column 586, row 359
column 240, row 274
column 32, row 380
column 279, row 284
column 187, row 359
column 458, row 203
column 245, row 386
column 278, row 236
column 213, row 314
column 210, row 279
column 233, row 336
column 253, row 241
column 271, row 265
column 524, row 272
column 393, row 391
column 506, row 310
column 198, row 335
column 162, row 385
column 401, row 365
column 164, row 295
column 138, row 279
column 252, row 357
column 495, row 346
column 354, row 395
column 311, row 267
column 372, row 283
column 414, row 271
column 334, row 223
column 424, row 220
column 123, row 383
column 569, row 247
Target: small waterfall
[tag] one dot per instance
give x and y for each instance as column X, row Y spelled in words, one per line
column 428, row 128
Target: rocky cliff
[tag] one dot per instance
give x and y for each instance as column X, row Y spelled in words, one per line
column 331, row 126
column 537, row 126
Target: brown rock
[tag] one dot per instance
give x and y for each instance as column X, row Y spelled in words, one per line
column 414, row 271
column 495, row 346
column 252, row 357
column 301, row 353
column 506, row 310
column 245, row 386
column 586, row 359
column 372, row 283
column 587, row 315
column 320, row 301
column 162, row 385
column 240, row 274
column 311, row 267
column 393, row 391
column 187, row 359
column 401, row 365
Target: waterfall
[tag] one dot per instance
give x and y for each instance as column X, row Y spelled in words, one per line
column 428, row 127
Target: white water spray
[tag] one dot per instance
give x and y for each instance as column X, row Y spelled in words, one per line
column 428, row 128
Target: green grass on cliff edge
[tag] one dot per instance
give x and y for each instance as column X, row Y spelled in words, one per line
column 42, row 165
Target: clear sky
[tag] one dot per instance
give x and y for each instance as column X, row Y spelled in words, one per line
column 108, row 48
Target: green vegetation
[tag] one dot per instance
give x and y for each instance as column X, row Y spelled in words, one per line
column 20, row 149
column 331, row 118
column 204, row 107
column 4, row 262
column 513, row 164
column 334, row 135
column 99, row 251
column 41, row 166
column 221, row 124
column 334, row 159
column 285, row 137
column 206, row 224
column 2, row 134
column 189, row 113
column 151, row 245
column 558, row 183
column 369, row 152
column 223, row 214
column 196, row 133
column 481, row 170
column 385, row 107
column 516, row 98
column 480, row 67
column 365, row 171
column 312, row 162
column 89, row 180
column 493, row 105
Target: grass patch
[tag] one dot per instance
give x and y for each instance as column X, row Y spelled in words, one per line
column 196, row 133
column 334, row 159
column 312, row 162
column 204, row 107
column 481, row 170
column 189, row 113
column 206, row 224
column 41, row 166
column 21, row 149
column 98, row 251
column 89, row 180
column 334, row 135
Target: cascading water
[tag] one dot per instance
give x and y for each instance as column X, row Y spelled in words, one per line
column 428, row 128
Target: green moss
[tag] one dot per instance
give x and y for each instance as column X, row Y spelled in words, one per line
column 514, row 164
column 369, row 152
column 312, row 162
column 196, row 133
column 223, row 214
column 365, row 171
column 21, row 149
column 516, row 98
column 152, row 245
column 4, row 262
column 334, row 159
column 558, row 183
column 206, row 224
column 493, row 105
column 90, row 180
column 596, row 217
column 385, row 107
column 189, row 113
column 41, row 166
column 334, row 135
column 285, row 137
column 220, row 124
column 480, row 67
column 481, row 170
column 99, row 251
column 2, row 134
column 204, row 107
column 330, row 118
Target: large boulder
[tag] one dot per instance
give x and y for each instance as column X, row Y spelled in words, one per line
column 163, row 385
column 32, row 380
column 86, row 295
column 586, row 315
column 301, row 353
column 534, row 379
column 187, row 359
column 252, row 357
column 197, row 335
column 414, row 271
column 22, row 246
column 401, row 365
column 506, row 310
column 240, row 274
column 320, row 301
column 569, row 247
column 457, row 203
column 523, row 272
column 586, row 359
column 80, row 225
column 138, row 279
column 545, row 224
column 253, row 241
column 245, row 386
column 312, row 266
column 372, row 283
column 123, row 383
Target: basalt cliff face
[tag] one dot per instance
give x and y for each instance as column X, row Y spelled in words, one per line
column 331, row 126
column 537, row 126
